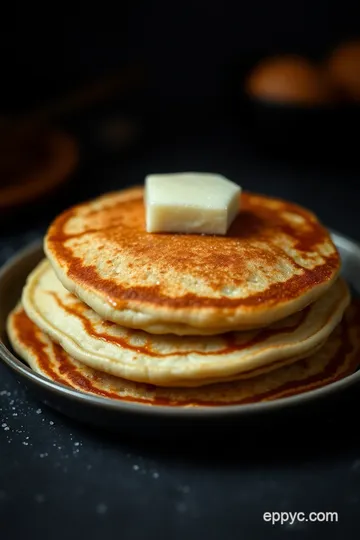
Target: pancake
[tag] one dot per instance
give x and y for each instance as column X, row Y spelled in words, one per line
column 339, row 357
column 276, row 259
column 169, row 360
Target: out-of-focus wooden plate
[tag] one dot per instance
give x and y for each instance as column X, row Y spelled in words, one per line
column 32, row 164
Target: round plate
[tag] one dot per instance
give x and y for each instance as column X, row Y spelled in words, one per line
column 111, row 414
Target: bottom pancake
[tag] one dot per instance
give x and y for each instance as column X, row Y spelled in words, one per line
column 337, row 358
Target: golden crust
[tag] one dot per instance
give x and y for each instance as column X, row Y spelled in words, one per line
column 276, row 259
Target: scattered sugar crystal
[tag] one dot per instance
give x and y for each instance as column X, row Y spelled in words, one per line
column 101, row 508
column 181, row 507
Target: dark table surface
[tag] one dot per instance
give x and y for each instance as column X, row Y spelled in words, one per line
column 60, row 479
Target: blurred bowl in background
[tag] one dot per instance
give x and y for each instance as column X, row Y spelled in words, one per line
column 343, row 68
column 290, row 79
column 294, row 107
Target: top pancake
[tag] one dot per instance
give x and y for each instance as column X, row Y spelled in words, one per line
column 275, row 260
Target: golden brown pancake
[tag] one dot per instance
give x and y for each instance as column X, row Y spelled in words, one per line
column 169, row 360
column 275, row 260
column 339, row 357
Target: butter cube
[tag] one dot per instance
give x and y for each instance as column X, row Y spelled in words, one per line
column 190, row 203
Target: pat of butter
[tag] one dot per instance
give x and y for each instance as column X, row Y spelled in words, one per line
column 198, row 203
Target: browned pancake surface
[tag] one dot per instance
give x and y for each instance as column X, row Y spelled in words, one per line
column 276, row 253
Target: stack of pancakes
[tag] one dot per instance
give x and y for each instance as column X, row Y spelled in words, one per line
column 176, row 319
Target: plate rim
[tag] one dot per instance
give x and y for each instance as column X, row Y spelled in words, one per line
column 18, row 367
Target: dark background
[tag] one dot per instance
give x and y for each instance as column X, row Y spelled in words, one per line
column 58, row 478
column 188, row 46
column 193, row 56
